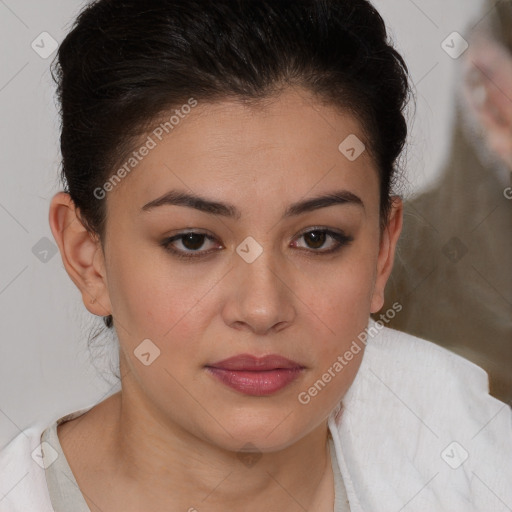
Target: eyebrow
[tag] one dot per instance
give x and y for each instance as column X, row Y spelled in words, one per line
column 179, row 198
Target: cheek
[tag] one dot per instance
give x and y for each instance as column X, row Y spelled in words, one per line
column 337, row 302
column 342, row 289
column 150, row 294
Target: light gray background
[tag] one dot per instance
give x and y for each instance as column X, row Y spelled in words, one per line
column 45, row 367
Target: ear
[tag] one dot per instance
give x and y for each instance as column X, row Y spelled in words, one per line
column 82, row 254
column 488, row 92
column 387, row 247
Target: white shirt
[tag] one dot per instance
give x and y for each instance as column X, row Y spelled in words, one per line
column 416, row 431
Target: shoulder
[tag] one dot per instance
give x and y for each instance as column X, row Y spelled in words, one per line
column 401, row 355
column 23, row 483
column 417, row 411
column 22, row 477
column 441, row 386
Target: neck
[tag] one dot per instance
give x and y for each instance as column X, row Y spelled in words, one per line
column 162, row 464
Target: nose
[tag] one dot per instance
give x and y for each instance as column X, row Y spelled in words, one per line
column 261, row 298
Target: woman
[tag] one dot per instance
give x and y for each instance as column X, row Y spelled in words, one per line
column 229, row 212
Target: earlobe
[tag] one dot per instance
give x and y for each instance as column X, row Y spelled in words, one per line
column 387, row 249
column 81, row 254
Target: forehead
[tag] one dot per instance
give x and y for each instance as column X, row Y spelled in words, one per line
column 289, row 144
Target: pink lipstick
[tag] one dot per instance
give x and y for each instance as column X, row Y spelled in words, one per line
column 256, row 376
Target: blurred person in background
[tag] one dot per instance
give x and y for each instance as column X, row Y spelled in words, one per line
column 453, row 270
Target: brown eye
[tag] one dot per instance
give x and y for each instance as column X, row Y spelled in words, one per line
column 317, row 238
column 191, row 242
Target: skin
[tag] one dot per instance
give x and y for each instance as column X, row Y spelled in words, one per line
column 169, row 440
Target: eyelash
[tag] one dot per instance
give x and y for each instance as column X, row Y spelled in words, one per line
column 341, row 239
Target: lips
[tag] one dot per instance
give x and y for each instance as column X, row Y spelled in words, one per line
column 249, row 362
column 256, row 376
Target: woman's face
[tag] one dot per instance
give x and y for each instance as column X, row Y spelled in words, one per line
column 263, row 280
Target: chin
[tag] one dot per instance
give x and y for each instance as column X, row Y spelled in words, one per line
column 259, row 433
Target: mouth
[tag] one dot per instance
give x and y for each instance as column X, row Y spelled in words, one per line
column 256, row 376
